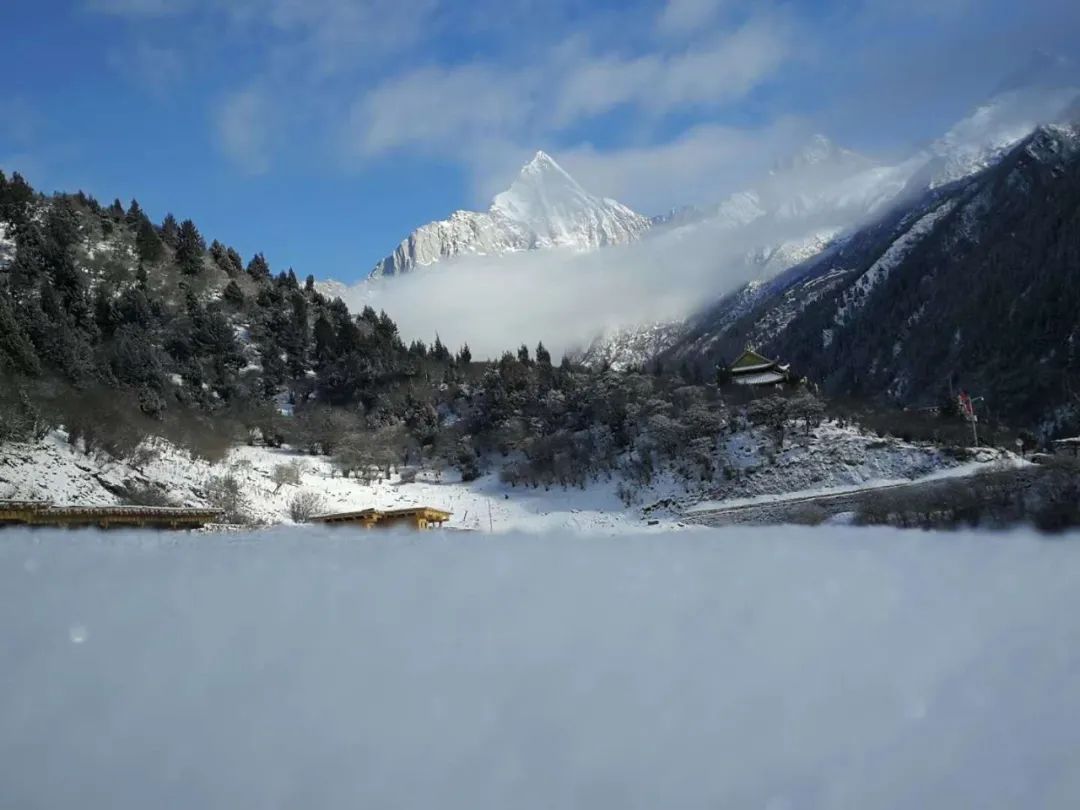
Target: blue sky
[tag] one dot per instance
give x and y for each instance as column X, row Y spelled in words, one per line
column 322, row 131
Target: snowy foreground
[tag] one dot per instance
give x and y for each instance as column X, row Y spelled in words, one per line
column 766, row 668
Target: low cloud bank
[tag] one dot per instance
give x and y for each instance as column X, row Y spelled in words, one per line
column 783, row 667
column 560, row 297
column 565, row 298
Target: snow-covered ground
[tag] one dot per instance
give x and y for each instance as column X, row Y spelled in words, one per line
column 764, row 668
column 828, row 459
column 990, row 460
column 53, row 470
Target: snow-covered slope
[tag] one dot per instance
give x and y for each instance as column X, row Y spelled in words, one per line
column 826, row 456
column 981, row 139
column 621, row 349
column 544, row 208
column 54, row 470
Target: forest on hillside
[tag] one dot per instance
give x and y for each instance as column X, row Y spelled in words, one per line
column 119, row 328
column 972, row 287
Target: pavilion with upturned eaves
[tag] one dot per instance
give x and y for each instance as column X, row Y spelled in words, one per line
column 754, row 369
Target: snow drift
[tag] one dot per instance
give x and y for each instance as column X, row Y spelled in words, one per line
column 744, row 668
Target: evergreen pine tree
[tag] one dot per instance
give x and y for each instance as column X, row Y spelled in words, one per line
column 169, row 230
column 258, row 268
column 233, row 295
column 104, row 312
column 235, row 262
column 543, row 356
column 16, row 350
column 134, row 214
column 15, row 200
column 325, row 340
column 220, row 256
column 148, row 243
column 296, row 337
column 439, row 352
column 189, row 248
column 465, row 355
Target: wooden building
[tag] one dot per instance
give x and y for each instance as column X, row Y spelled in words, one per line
column 754, row 369
column 43, row 513
column 413, row 517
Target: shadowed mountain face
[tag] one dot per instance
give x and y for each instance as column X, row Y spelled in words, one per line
column 819, row 201
column 975, row 285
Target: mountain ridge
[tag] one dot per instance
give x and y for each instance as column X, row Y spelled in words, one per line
column 973, row 286
column 543, row 208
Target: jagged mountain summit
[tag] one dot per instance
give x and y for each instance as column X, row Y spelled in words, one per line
column 543, row 208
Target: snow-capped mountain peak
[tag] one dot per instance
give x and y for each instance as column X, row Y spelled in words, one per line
column 541, row 187
column 544, row 164
column 543, row 208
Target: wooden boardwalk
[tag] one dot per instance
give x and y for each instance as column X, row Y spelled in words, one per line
column 43, row 513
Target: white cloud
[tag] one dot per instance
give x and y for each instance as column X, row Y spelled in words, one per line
column 700, row 166
column 560, row 297
column 321, row 37
column 722, row 69
column 244, row 122
column 682, row 17
column 729, row 67
column 447, row 109
column 440, row 108
column 596, row 85
column 567, row 298
column 337, row 34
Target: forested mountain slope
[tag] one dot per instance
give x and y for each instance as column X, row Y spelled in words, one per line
column 976, row 285
column 120, row 329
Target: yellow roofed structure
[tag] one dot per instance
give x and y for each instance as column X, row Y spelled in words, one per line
column 413, row 517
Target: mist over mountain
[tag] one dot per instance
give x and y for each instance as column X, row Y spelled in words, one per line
column 972, row 286
column 551, row 261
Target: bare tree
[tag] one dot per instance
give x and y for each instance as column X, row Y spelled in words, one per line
column 290, row 473
column 305, row 505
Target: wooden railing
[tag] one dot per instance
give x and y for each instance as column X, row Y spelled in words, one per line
column 43, row 513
